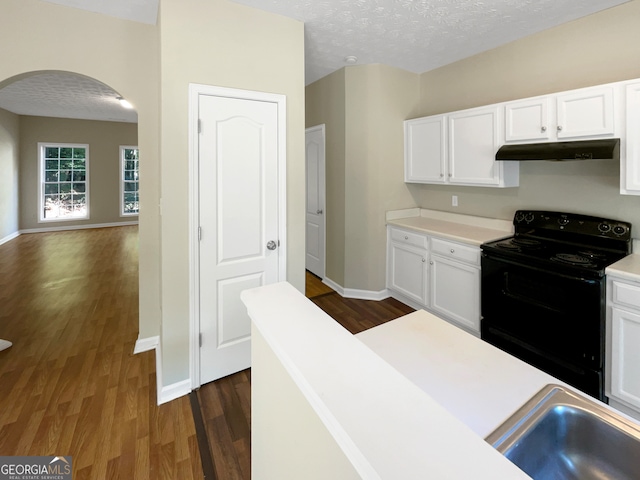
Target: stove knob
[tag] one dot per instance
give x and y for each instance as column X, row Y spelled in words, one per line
column 519, row 217
column 619, row 229
column 604, row 227
column 563, row 221
column 529, row 217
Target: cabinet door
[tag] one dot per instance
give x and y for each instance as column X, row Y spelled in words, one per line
column 407, row 271
column 455, row 291
column 425, row 149
column 473, row 143
column 625, row 356
column 586, row 113
column 527, row 120
column 630, row 166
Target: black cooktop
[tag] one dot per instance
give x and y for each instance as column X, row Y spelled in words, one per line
column 564, row 241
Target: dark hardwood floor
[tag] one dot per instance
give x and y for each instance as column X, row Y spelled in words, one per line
column 70, row 384
column 225, row 405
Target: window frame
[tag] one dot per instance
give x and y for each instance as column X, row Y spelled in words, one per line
column 42, row 146
column 122, row 180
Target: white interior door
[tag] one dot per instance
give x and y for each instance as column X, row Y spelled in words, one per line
column 315, row 231
column 238, row 219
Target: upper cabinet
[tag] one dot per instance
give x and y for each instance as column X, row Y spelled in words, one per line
column 458, row 148
column 527, row 120
column 588, row 113
column 630, row 163
column 425, row 138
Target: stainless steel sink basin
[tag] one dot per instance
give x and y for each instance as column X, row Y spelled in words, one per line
column 559, row 435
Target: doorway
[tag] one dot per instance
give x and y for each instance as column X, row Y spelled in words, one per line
column 316, row 200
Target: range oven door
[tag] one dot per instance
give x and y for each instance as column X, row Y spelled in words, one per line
column 549, row 319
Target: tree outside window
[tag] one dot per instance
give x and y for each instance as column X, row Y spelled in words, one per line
column 129, row 174
column 64, row 188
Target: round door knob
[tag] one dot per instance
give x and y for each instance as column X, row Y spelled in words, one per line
column 406, row 237
column 423, row 260
column 431, row 262
column 452, row 250
column 271, row 245
column 544, row 129
column 318, row 212
column 559, row 127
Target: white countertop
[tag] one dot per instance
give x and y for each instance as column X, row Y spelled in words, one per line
column 628, row 267
column 476, row 382
column 386, row 426
column 462, row 228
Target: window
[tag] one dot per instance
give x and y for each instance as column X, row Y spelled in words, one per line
column 129, row 196
column 64, row 190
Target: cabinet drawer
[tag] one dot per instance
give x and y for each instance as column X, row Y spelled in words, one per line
column 461, row 252
column 626, row 294
column 408, row 238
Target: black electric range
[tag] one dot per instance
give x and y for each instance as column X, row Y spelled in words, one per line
column 543, row 293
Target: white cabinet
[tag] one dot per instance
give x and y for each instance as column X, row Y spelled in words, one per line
column 425, row 138
column 527, row 120
column 455, row 283
column 588, row 113
column 435, row 274
column 630, row 163
column 623, row 344
column 407, row 264
column 458, row 149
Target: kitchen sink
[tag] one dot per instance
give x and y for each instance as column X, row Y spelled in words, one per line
column 559, row 434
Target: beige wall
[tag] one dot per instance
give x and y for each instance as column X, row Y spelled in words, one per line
column 104, row 140
column 121, row 54
column 601, row 48
column 217, row 42
column 364, row 165
column 9, row 166
column 325, row 104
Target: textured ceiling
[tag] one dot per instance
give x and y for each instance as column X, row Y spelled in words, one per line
column 415, row 35
column 64, row 95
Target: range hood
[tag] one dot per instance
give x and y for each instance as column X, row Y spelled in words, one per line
column 607, row 149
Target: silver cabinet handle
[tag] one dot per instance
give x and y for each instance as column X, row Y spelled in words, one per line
column 406, row 237
column 559, row 127
column 423, row 260
column 318, row 212
column 453, row 251
column 271, row 245
column 431, row 262
column 543, row 129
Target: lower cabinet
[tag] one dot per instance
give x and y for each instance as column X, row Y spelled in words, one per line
column 407, row 272
column 623, row 354
column 435, row 274
column 455, row 291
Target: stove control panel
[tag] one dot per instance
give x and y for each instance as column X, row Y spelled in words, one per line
column 528, row 220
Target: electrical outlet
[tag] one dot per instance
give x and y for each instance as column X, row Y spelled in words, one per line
column 454, row 200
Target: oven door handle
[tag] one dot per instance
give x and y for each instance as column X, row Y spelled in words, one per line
column 522, row 298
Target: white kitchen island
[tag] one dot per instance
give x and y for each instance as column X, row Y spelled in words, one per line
column 327, row 404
